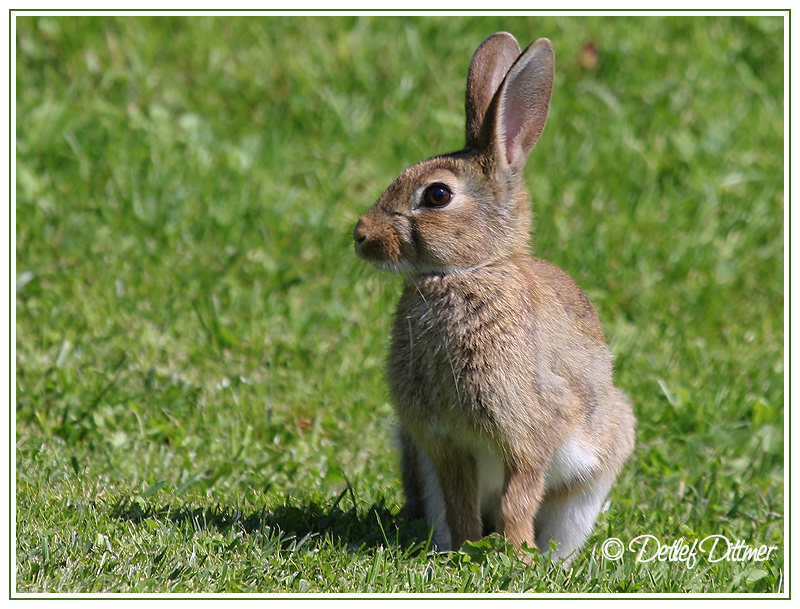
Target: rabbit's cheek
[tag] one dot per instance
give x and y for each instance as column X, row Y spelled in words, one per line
column 453, row 242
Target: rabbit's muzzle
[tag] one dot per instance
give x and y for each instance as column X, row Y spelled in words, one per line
column 376, row 243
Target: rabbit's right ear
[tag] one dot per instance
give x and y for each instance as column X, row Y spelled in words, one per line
column 488, row 68
column 520, row 109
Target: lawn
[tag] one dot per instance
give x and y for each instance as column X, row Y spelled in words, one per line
column 200, row 402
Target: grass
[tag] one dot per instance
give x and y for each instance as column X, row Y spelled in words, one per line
column 200, row 404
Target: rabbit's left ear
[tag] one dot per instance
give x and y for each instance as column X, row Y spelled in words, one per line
column 522, row 103
column 488, row 68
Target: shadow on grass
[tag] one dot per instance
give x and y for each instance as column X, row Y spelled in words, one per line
column 294, row 525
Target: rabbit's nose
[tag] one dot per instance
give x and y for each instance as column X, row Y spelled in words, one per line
column 374, row 242
column 362, row 231
column 364, row 243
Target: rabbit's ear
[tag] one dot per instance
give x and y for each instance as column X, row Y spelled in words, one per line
column 488, row 68
column 523, row 100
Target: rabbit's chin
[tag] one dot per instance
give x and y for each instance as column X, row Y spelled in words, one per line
column 411, row 270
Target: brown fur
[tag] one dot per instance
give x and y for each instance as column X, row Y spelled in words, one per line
column 494, row 353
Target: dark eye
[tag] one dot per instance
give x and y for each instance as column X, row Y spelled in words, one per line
column 436, row 195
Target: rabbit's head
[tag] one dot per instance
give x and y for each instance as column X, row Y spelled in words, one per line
column 470, row 208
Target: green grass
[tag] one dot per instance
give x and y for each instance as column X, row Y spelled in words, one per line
column 200, row 404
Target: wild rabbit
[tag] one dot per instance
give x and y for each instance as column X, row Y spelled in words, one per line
column 498, row 366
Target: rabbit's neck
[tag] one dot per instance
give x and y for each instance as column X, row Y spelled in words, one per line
column 504, row 265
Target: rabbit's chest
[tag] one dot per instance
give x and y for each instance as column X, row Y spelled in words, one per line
column 454, row 355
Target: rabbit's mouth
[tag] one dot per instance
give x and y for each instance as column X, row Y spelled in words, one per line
column 377, row 243
column 398, row 268
column 409, row 270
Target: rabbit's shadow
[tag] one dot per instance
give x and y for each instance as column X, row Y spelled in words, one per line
column 293, row 525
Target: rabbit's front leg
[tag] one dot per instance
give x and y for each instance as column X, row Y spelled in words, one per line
column 458, row 477
column 523, row 493
column 414, row 480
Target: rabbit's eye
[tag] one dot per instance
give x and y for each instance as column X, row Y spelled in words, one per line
column 436, row 195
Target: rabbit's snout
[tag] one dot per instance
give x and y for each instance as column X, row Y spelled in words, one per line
column 376, row 243
column 360, row 232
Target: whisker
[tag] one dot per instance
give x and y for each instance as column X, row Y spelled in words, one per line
column 410, row 271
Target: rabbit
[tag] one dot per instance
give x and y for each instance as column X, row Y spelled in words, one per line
column 498, row 367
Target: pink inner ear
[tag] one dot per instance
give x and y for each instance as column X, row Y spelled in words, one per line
column 523, row 114
column 514, row 121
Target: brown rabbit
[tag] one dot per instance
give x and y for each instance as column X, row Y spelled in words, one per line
column 499, row 369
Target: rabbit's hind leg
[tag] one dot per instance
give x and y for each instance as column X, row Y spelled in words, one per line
column 569, row 517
